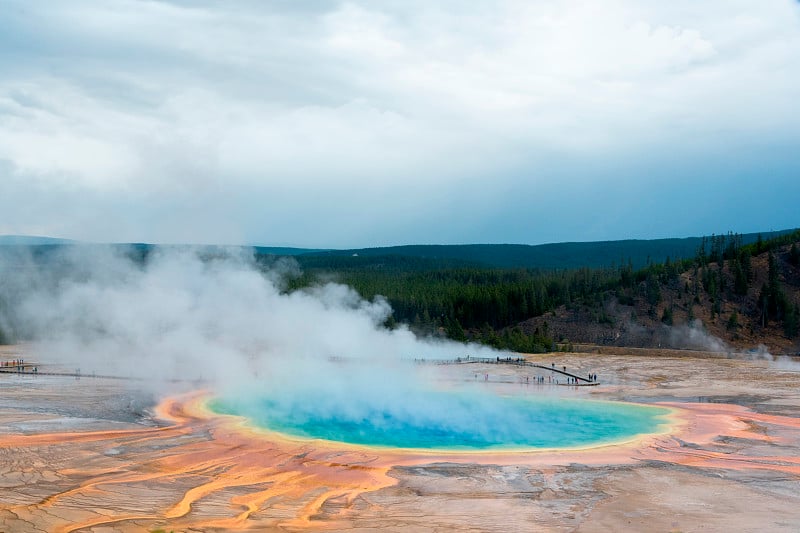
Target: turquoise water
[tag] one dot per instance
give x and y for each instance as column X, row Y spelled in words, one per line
column 453, row 420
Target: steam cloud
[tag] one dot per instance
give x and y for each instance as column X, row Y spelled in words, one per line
column 694, row 336
column 223, row 319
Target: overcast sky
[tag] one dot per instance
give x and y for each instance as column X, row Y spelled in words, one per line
column 346, row 124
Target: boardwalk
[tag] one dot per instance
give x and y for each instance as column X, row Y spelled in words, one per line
column 33, row 369
column 508, row 361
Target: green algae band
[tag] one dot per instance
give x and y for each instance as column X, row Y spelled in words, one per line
column 443, row 420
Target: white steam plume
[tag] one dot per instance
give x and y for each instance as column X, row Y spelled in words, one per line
column 695, row 336
column 182, row 316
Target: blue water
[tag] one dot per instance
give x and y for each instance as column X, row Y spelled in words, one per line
column 453, row 420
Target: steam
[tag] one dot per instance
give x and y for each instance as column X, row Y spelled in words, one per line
column 187, row 314
column 780, row 362
column 695, row 336
column 783, row 362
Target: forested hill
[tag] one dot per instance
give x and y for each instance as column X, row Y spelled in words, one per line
column 744, row 294
column 557, row 256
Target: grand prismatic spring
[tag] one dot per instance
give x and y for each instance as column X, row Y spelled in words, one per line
column 85, row 455
column 460, row 421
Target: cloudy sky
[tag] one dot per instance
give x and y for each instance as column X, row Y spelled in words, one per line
column 345, row 124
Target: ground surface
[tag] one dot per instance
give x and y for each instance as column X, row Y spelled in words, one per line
column 83, row 455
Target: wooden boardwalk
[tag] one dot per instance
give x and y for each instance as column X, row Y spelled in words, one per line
column 27, row 369
column 32, row 369
column 508, row 361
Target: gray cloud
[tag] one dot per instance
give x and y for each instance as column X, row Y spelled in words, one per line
column 351, row 123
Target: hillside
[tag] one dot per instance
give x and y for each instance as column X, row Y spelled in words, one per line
column 701, row 308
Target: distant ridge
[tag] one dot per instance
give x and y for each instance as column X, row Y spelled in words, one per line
column 286, row 250
column 31, row 240
column 555, row 256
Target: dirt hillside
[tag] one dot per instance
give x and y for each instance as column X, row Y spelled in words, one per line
column 685, row 316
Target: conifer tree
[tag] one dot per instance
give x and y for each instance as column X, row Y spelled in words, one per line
column 733, row 321
column 790, row 321
column 794, row 255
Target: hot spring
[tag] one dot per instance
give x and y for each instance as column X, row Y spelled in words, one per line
column 451, row 420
